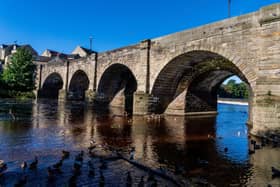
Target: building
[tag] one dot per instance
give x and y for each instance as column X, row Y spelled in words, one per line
column 7, row 50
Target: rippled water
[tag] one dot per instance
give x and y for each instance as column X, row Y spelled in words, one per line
column 45, row 128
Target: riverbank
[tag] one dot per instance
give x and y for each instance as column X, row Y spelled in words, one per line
column 232, row 101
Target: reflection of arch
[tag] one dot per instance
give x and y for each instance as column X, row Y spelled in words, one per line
column 78, row 85
column 198, row 72
column 51, row 86
column 116, row 78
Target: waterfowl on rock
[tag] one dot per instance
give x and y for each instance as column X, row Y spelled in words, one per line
column 80, row 156
column 23, row 165
column 34, row 164
column 58, row 164
column 77, row 168
column 65, row 154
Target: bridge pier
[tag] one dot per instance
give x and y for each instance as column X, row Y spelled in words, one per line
column 141, row 103
column 266, row 118
column 62, row 95
column 89, row 96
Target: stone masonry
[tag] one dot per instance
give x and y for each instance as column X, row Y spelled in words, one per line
column 180, row 73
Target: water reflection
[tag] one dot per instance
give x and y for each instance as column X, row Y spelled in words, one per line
column 195, row 144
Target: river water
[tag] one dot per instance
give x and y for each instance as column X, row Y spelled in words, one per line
column 196, row 145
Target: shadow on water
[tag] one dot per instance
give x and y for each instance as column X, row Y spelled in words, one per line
column 191, row 146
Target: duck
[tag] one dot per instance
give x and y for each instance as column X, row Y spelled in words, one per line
column 3, row 166
column 77, row 168
column 101, row 179
column 65, row 154
column 225, row 149
column 58, row 164
column 128, row 180
column 23, row 165
column 34, row 164
column 80, row 156
column 51, row 173
column 141, row 183
column 21, row 182
column 131, row 153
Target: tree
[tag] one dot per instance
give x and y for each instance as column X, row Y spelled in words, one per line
column 19, row 75
column 234, row 90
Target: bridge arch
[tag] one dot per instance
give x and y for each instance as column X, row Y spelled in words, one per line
column 51, row 86
column 79, row 83
column 119, row 80
column 192, row 79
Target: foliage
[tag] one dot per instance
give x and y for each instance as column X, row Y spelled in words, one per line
column 19, row 75
column 234, row 90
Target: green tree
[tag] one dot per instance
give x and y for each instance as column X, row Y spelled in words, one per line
column 19, row 75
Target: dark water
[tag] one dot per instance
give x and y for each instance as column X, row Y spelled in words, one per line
column 194, row 144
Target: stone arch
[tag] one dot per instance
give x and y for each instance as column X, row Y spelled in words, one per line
column 51, row 86
column 79, row 83
column 119, row 80
column 189, row 72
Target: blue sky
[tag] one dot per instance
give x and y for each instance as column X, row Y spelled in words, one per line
column 62, row 25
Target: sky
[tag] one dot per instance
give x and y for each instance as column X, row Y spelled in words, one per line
column 62, row 25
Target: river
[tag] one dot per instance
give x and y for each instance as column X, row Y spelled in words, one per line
column 194, row 144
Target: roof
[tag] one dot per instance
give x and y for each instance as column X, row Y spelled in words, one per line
column 88, row 51
column 10, row 47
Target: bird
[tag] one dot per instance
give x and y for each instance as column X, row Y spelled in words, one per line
column 128, row 180
column 65, row 154
column 141, row 183
column 51, row 173
column 3, row 166
column 12, row 114
column 58, row 164
column 23, row 165
column 34, row 164
column 131, row 153
column 21, row 182
column 80, row 156
column 225, row 149
column 77, row 168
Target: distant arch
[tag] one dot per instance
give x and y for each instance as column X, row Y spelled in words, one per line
column 79, row 83
column 51, row 86
column 117, row 78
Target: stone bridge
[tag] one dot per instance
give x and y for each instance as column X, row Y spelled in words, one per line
column 181, row 72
